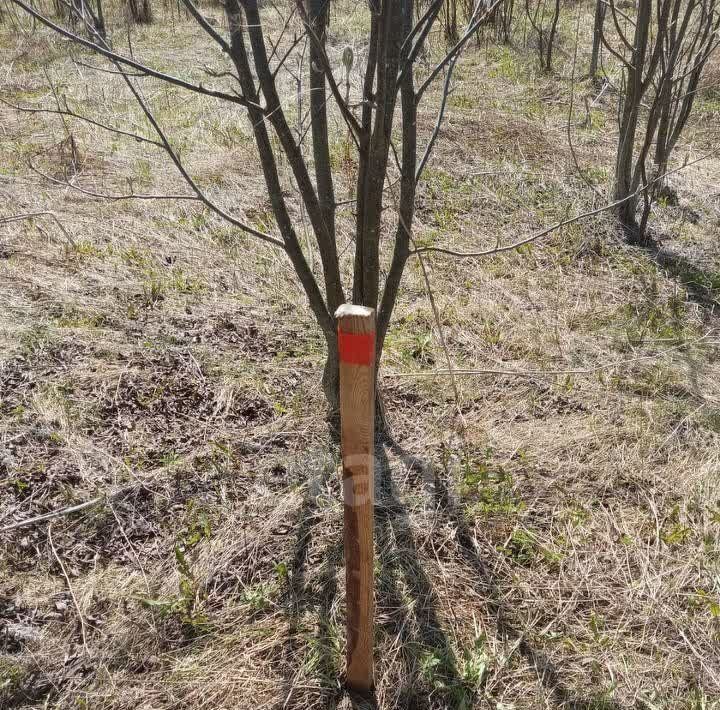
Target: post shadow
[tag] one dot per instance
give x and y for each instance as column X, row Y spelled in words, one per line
column 297, row 602
column 392, row 520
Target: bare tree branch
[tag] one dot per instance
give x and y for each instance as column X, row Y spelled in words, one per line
column 559, row 225
column 72, row 114
column 460, row 45
column 209, row 29
column 347, row 114
column 126, row 61
column 105, row 195
column 33, row 215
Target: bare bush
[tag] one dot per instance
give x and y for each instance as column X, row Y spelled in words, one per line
column 662, row 65
column 140, row 11
column 390, row 88
column 502, row 18
column 544, row 16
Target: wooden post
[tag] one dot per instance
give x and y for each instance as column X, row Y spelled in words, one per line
column 356, row 346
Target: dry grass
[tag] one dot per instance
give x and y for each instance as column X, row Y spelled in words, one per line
column 557, row 548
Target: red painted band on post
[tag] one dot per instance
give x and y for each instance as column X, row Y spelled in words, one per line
column 356, row 349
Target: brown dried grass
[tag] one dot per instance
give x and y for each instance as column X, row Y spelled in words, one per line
column 560, row 548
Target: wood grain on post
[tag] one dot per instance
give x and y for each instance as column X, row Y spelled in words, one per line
column 356, row 345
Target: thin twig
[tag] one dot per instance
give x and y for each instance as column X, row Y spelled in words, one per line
column 452, row 371
column 72, row 593
column 570, row 111
column 72, row 114
column 436, row 315
column 697, row 655
column 66, row 511
column 563, row 223
column 104, row 195
column 130, row 546
column 459, row 46
column 32, row 215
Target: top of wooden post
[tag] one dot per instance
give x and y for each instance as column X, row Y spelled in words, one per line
column 350, row 310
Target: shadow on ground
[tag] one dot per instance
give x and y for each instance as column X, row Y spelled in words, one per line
column 325, row 662
column 413, row 621
column 548, row 673
column 702, row 285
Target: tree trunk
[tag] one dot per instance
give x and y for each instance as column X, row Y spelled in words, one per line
column 662, row 147
column 551, row 36
column 627, row 215
column 625, row 169
column 331, row 379
column 101, row 20
column 318, row 14
column 600, row 9
column 451, row 33
column 140, row 11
